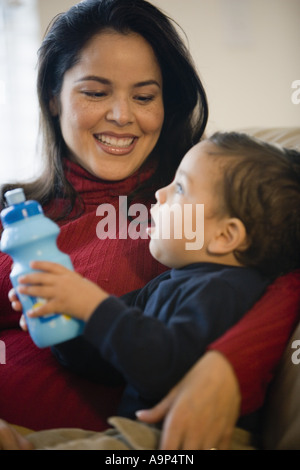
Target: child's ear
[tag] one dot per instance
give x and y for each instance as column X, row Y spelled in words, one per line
column 231, row 235
column 54, row 106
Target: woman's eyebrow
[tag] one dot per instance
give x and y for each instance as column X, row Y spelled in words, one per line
column 94, row 78
column 146, row 83
column 105, row 81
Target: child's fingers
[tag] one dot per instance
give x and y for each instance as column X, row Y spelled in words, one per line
column 42, row 291
column 43, row 309
column 36, row 278
column 48, row 266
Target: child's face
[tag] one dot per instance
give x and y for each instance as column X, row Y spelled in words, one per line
column 181, row 231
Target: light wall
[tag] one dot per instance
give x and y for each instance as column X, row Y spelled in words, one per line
column 247, row 53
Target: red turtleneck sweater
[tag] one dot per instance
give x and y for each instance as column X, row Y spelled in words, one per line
column 35, row 390
column 38, row 393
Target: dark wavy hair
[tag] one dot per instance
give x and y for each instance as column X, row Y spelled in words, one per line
column 185, row 103
column 261, row 187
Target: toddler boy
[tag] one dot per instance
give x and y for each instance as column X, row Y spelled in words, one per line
column 151, row 337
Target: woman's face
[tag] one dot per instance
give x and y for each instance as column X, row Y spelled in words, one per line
column 111, row 105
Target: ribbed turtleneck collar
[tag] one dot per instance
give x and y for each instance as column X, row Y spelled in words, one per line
column 93, row 189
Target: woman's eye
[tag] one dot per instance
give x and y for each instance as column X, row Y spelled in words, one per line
column 95, row 94
column 144, row 98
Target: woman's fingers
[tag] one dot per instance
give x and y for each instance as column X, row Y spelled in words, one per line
column 10, row 439
column 13, row 298
column 23, row 323
column 200, row 412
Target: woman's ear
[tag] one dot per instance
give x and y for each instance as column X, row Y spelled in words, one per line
column 230, row 236
column 54, row 106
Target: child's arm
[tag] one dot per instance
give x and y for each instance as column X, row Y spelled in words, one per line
column 65, row 291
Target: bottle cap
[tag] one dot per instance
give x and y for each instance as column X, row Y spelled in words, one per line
column 15, row 196
column 18, row 208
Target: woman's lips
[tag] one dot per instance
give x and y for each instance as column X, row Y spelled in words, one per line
column 116, row 144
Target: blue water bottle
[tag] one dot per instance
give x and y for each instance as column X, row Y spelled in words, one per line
column 27, row 236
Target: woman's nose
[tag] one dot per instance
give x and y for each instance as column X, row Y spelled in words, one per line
column 120, row 112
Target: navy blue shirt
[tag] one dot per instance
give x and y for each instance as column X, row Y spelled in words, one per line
column 151, row 337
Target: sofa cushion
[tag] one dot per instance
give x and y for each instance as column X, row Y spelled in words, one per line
column 282, row 419
column 286, row 136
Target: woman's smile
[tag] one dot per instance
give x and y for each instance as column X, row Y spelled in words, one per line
column 115, row 144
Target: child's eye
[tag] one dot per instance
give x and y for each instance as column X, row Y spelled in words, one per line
column 179, row 188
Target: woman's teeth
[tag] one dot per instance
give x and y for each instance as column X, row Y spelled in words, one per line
column 122, row 142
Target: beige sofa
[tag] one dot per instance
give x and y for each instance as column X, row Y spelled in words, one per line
column 281, row 429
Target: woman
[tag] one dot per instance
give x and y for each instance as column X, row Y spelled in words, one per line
column 120, row 105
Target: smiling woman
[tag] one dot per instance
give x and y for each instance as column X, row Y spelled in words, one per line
column 121, row 102
column 107, row 112
column 70, row 190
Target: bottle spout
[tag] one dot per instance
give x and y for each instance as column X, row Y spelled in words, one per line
column 15, row 196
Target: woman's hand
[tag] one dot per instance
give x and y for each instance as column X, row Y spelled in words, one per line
column 200, row 412
column 10, row 439
column 13, row 298
column 16, row 305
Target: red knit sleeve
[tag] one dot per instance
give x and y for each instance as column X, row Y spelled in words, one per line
column 255, row 345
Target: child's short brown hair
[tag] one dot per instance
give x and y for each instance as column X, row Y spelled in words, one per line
column 261, row 187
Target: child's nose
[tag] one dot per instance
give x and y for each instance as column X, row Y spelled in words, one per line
column 160, row 195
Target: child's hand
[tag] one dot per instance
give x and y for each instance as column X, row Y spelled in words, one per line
column 63, row 290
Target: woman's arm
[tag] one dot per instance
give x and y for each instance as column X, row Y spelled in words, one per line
column 201, row 411
column 255, row 345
